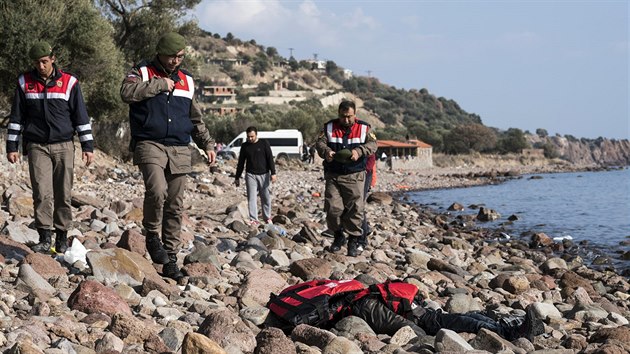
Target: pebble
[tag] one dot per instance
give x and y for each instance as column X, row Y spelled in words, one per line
column 458, row 267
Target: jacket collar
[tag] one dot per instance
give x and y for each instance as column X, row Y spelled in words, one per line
column 158, row 65
column 54, row 76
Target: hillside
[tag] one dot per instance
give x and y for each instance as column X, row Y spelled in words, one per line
column 258, row 71
column 255, row 70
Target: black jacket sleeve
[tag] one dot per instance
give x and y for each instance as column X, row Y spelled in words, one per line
column 16, row 121
column 269, row 155
column 241, row 161
column 380, row 318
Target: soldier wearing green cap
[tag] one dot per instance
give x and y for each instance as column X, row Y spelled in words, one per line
column 164, row 116
column 48, row 109
column 345, row 143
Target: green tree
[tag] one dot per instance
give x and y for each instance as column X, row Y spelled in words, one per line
column 293, row 64
column 272, row 52
column 430, row 136
column 549, row 149
column 512, row 140
column 81, row 39
column 261, row 64
column 139, row 24
column 468, row 138
column 21, row 25
column 542, row 132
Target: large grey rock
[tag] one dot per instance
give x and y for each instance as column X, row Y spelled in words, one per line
column 492, row 342
column 117, row 266
column 256, row 315
column 259, row 285
column 21, row 233
column 461, row 303
column 342, row 345
column 273, row 341
column 403, row 336
column 31, row 282
column 226, row 328
column 449, row 341
column 109, row 342
column 352, row 325
column 311, row 268
column 310, row 335
column 545, row 310
column 584, row 313
column 196, row 343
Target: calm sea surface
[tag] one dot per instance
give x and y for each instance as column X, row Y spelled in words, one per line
column 593, row 206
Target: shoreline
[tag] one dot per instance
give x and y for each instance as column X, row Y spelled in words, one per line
column 588, row 250
column 232, row 268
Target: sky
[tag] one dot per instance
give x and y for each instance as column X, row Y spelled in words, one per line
column 557, row 65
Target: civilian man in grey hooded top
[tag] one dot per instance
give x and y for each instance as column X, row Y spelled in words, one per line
column 164, row 115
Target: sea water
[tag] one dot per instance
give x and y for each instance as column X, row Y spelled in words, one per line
column 590, row 206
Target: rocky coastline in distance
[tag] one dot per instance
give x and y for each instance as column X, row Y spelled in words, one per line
column 116, row 302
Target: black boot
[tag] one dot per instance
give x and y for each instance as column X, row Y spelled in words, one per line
column 44, row 241
column 156, row 250
column 61, row 241
column 340, row 241
column 171, row 270
column 519, row 327
column 353, row 247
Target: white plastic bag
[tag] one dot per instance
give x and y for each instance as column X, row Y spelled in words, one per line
column 76, row 252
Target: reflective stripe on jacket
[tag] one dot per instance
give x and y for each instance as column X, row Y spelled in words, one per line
column 339, row 138
column 50, row 112
column 165, row 117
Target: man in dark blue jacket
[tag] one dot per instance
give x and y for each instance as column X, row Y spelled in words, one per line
column 47, row 110
column 164, row 116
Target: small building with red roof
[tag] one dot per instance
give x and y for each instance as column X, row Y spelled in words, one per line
column 408, row 155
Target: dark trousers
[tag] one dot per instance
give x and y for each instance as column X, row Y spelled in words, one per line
column 431, row 321
column 365, row 226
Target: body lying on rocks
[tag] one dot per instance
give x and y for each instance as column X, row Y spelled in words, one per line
column 387, row 308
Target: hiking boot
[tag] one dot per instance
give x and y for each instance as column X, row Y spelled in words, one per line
column 44, row 241
column 171, row 270
column 533, row 325
column 338, row 242
column 353, row 247
column 509, row 327
column 519, row 327
column 61, row 241
column 156, row 250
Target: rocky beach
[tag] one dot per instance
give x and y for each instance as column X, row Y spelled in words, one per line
column 112, row 299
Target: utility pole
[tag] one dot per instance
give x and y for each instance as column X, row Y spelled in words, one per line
column 291, row 52
column 315, row 56
column 369, row 72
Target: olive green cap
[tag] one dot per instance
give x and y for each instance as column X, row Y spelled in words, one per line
column 170, row 44
column 343, row 156
column 40, row 49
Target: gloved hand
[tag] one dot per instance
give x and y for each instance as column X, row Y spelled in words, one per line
column 237, row 182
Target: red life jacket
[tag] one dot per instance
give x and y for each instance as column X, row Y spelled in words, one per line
column 397, row 295
column 316, row 303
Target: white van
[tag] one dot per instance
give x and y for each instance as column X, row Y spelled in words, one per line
column 285, row 143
